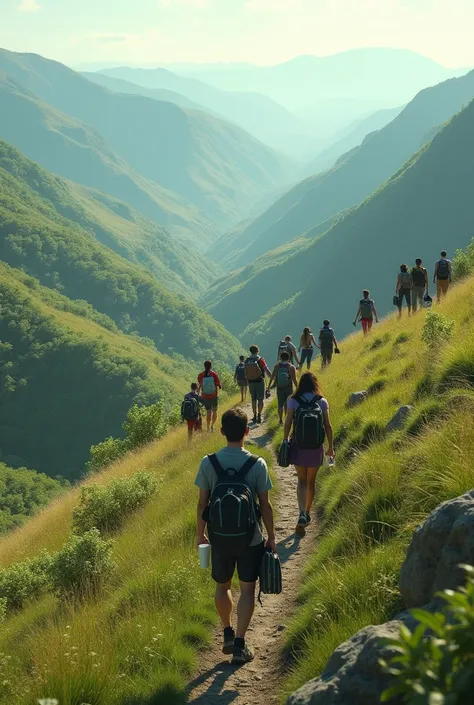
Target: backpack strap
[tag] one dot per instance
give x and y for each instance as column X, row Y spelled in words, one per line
column 222, row 474
column 219, row 470
column 248, row 465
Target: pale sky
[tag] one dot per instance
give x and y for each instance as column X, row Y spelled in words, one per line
column 258, row 31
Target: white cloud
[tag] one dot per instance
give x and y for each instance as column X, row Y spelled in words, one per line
column 29, row 6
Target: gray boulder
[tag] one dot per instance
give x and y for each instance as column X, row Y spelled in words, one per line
column 439, row 545
column 398, row 421
column 357, row 398
column 353, row 675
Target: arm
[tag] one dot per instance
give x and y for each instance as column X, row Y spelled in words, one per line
column 329, row 433
column 266, row 510
column 334, row 340
column 218, row 382
column 293, row 376
column 449, row 269
column 203, row 501
column 427, row 280
column 435, row 273
column 374, row 310
column 357, row 315
column 314, row 341
column 272, row 378
column 295, row 353
column 288, row 423
column 397, row 285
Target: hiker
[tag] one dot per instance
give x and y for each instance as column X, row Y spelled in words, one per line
column 403, row 289
column 307, row 341
column 284, row 374
column 308, row 415
column 286, row 345
column 366, row 312
column 419, row 276
column 241, row 379
column 442, row 275
column 191, row 411
column 221, row 498
column 209, row 385
column 255, row 370
column 328, row 343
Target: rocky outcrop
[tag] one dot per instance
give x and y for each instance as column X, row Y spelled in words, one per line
column 399, row 420
column 439, row 545
column 357, row 398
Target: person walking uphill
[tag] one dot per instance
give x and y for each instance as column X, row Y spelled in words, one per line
column 209, row 385
column 403, row 288
column 230, row 483
column 255, row 370
column 241, row 379
column 308, row 416
column 327, row 339
column 366, row 312
column 286, row 345
column 284, row 374
column 307, row 341
column 442, row 275
column 191, row 411
column 420, row 284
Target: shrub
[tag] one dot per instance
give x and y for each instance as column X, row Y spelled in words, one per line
column 380, row 517
column 3, row 609
column 229, row 385
column 105, row 453
column 463, row 262
column 25, row 581
column 83, row 566
column 437, row 329
column 401, row 338
column 107, row 507
column 434, row 665
column 144, row 424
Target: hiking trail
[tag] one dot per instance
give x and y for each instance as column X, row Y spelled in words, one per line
column 216, row 682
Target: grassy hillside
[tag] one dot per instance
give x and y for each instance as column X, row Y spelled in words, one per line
column 354, row 178
column 426, row 206
column 70, row 148
column 37, row 235
column 215, row 165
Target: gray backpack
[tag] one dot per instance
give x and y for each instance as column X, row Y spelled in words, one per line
column 406, row 280
column 366, row 308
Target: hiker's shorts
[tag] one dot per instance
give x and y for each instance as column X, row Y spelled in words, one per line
column 418, row 293
column 306, row 356
column 211, row 404
column 366, row 324
column 247, row 562
column 283, row 393
column 257, row 390
column 326, row 356
column 404, row 294
column 442, row 286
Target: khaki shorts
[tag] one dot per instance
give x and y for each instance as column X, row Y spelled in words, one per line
column 442, row 286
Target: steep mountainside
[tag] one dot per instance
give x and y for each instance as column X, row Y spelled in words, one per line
column 37, row 235
column 425, row 206
column 355, row 177
column 211, row 163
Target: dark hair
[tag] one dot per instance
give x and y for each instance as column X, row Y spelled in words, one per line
column 254, row 349
column 444, row 253
column 418, row 261
column 366, row 293
column 284, row 355
column 207, row 365
column 403, row 268
column 194, row 386
column 242, row 358
column 234, row 425
column 326, row 322
column 308, row 384
column 288, row 338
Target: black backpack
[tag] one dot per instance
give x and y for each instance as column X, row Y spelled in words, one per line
column 418, row 276
column 326, row 336
column 190, row 409
column 240, row 372
column 366, row 308
column 308, row 426
column 270, row 575
column 232, row 515
column 443, row 269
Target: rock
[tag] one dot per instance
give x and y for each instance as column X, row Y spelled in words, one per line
column 357, row 398
column 281, row 627
column 353, row 675
column 398, row 421
column 439, row 545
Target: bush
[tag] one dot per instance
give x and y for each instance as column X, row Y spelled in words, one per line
column 105, row 453
column 107, row 507
column 25, row 581
column 3, row 609
column 143, row 425
column 83, row 566
column 437, row 329
column 434, row 665
column 463, row 262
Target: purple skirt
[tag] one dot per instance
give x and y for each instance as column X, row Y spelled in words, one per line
column 306, row 458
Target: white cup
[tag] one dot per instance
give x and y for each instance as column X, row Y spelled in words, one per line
column 204, row 551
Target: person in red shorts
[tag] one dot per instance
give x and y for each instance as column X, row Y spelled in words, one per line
column 209, row 385
column 366, row 312
column 195, row 423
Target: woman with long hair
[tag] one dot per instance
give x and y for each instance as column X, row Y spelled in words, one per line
column 307, row 341
column 308, row 416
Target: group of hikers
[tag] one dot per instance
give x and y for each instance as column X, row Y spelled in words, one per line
column 234, row 485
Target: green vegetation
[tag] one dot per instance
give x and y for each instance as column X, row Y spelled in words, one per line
column 434, row 665
column 22, row 493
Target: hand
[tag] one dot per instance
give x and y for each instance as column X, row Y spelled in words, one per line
column 271, row 544
column 376, row 320
column 354, row 323
column 331, row 453
column 202, row 539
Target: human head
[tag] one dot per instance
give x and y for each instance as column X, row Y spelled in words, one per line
column 366, row 293
column 308, row 384
column 326, row 322
column 306, row 331
column 284, row 356
column 418, row 262
column 254, row 349
column 403, row 268
column 444, row 253
column 287, row 338
column 193, row 386
column 207, row 365
column 242, row 358
column 234, row 425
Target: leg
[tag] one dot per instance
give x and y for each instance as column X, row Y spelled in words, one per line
column 438, row 291
column 208, row 418
column 280, row 414
column 310, row 488
column 309, row 358
column 301, row 487
column 245, row 608
column 224, row 603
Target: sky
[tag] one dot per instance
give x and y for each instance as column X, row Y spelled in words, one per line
column 158, row 32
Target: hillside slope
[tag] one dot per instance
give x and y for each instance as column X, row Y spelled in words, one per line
column 424, row 207
column 215, row 165
column 355, row 177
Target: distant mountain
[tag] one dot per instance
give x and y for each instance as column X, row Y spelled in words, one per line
column 425, row 206
column 352, row 179
column 258, row 114
column 216, row 166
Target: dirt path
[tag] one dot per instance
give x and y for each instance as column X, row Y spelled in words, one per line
column 219, row 683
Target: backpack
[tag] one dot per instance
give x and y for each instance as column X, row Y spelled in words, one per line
column 285, row 347
column 283, row 376
column 326, row 337
column 190, row 409
column 418, row 276
column 366, row 308
column 240, row 372
column 443, row 269
column 406, row 280
column 253, row 371
column 270, row 575
column 308, row 429
column 284, row 454
column 208, row 384
column 232, row 514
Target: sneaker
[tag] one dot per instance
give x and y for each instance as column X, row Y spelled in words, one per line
column 259, row 419
column 254, row 420
column 229, row 637
column 301, row 525
column 242, row 654
column 308, row 518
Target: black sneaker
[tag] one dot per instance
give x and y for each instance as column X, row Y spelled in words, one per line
column 259, row 419
column 241, row 655
column 302, row 524
column 229, row 637
column 308, row 518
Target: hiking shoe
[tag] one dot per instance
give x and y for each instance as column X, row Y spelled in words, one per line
column 241, row 655
column 254, row 420
column 229, row 638
column 302, row 524
column 259, row 418
column 308, row 518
